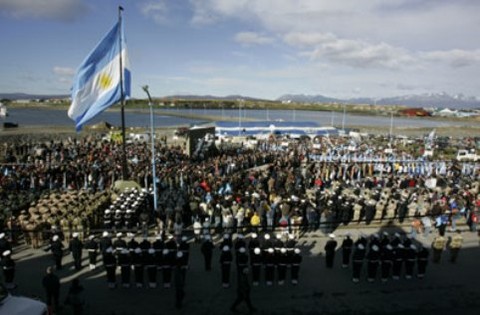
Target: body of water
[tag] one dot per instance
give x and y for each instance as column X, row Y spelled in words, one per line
column 32, row 117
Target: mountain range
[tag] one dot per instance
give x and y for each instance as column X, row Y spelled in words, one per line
column 440, row 100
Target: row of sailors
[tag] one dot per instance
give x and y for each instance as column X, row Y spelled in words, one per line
column 390, row 255
column 268, row 260
column 370, row 168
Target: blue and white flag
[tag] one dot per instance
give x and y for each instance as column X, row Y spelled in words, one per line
column 96, row 85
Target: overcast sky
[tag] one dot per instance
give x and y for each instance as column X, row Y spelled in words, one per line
column 258, row 48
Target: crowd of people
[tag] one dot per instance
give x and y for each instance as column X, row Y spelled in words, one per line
column 270, row 194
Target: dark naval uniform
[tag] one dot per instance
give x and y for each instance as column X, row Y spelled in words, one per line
column 357, row 261
column 295, row 262
column 256, row 260
column 207, row 252
column 138, row 262
column 386, row 259
column 422, row 261
column 110, row 264
column 398, row 257
column 270, row 262
column 373, row 258
column 347, row 246
column 124, row 261
column 410, row 258
column 92, row 248
column 330, row 247
column 151, row 266
column 225, row 263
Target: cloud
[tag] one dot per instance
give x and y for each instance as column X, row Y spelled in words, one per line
column 351, row 52
column 63, row 71
column 156, row 10
column 456, row 58
column 252, row 38
column 59, row 10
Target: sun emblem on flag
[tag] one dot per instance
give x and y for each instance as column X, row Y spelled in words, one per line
column 104, row 81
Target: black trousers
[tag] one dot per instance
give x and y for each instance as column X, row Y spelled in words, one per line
column 346, row 256
column 357, row 268
column 77, row 259
column 241, row 297
column 329, row 256
column 125, row 272
column 269, row 273
column 111, row 273
column 208, row 261
column 409, row 265
column 282, row 271
column 92, row 258
column 167, row 274
column 386, row 267
column 422, row 267
column 226, row 273
column 397, row 268
column 256, row 273
column 294, row 272
column 152, row 274
column 138, row 270
column 372, row 269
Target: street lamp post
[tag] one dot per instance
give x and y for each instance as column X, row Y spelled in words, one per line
column 152, row 136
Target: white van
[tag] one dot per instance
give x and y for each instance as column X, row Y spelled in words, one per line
column 19, row 305
column 465, row 155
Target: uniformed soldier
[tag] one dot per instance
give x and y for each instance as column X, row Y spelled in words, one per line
column 410, row 258
column 267, row 243
column 168, row 263
column 253, row 243
column 277, row 243
column 105, row 242
column 133, row 243
column 107, row 219
column 241, row 259
column 92, row 249
column 438, row 246
column 119, row 244
column 270, row 262
column 151, row 266
column 182, row 263
column 347, row 245
column 256, row 261
column 124, row 261
column 240, row 242
column 184, row 247
column 138, row 262
column 295, row 265
column 357, row 260
column 226, row 241
column 56, row 246
column 329, row 248
column 386, row 261
column 225, row 263
column 76, row 248
column 171, row 245
column 282, row 262
column 398, row 258
column 4, row 244
column 8, row 266
column 110, row 264
column 455, row 245
column 422, row 261
column 373, row 258
column 207, row 252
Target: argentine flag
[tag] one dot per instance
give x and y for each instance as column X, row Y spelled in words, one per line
column 96, row 85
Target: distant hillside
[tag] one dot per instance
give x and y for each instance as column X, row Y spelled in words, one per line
column 440, row 100
column 210, row 97
column 24, row 96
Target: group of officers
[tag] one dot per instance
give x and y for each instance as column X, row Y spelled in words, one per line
column 388, row 256
column 385, row 256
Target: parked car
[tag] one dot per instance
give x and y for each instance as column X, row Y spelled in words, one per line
column 20, row 305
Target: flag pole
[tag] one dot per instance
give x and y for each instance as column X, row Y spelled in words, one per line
column 122, row 100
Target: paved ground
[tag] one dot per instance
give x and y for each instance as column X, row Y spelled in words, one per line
column 447, row 287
